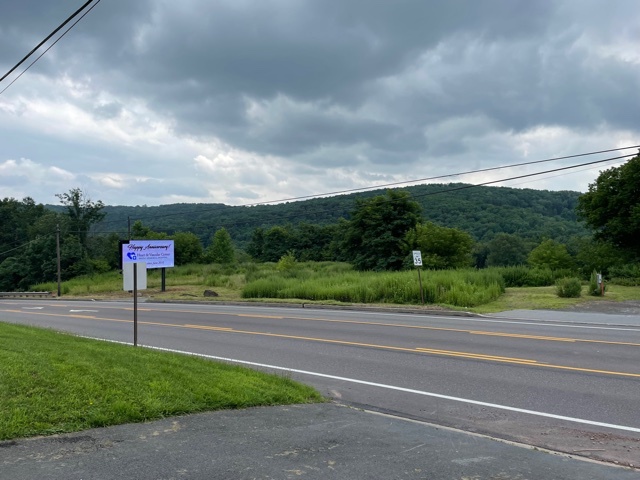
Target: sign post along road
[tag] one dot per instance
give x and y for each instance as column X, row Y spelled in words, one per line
column 417, row 261
column 150, row 254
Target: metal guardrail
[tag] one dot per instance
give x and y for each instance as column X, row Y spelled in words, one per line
column 25, row 294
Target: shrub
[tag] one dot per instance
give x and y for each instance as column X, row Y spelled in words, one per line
column 523, row 276
column 628, row 275
column 569, row 287
column 100, row 266
column 286, row 262
column 515, row 276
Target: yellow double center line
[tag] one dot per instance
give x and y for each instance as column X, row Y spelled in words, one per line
column 429, row 351
column 401, row 325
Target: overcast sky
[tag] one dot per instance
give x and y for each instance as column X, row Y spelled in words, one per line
column 238, row 101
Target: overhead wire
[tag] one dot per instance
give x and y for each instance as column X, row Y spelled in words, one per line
column 25, row 244
column 50, row 46
column 591, row 167
column 491, row 182
column 438, row 192
column 307, row 214
column 462, row 187
column 376, row 187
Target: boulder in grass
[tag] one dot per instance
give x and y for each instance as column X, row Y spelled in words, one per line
column 210, row 293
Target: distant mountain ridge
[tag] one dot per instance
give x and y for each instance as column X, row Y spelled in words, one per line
column 481, row 211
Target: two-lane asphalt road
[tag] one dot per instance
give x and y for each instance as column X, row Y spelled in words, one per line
column 565, row 386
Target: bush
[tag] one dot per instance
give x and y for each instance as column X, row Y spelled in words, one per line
column 523, row 276
column 628, row 275
column 569, row 287
column 286, row 262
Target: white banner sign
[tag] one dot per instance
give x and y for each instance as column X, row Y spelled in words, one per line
column 155, row 253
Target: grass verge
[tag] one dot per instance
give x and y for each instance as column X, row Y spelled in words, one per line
column 54, row 383
column 338, row 284
column 545, row 298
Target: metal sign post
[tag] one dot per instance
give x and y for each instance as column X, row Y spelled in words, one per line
column 134, row 279
column 417, row 261
column 135, row 304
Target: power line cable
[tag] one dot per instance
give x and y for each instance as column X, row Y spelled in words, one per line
column 439, row 192
column 467, row 186
column 491, row 182
column 614, row 162
column 25, row 244
column 50, row 46
column 321, row 195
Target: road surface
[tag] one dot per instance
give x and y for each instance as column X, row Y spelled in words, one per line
column 560, row 385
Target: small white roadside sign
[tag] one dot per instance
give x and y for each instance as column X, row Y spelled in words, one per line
column 127, row 276
column 417, row 258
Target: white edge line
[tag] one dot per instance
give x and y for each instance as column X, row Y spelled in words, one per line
column 389, row 387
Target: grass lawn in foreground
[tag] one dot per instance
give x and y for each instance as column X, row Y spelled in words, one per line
column 53, row 383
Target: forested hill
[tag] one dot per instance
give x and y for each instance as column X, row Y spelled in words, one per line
column 481, row 211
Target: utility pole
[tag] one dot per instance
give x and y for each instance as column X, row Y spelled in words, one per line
column 58, row 255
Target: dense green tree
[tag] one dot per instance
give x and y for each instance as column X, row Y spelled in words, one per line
column 441, row 247
column 105, row 248
column 256, row 245
column 482, row 212
column 27, row 243
column 139, row 231
column 40, row 261
column 82, row 212
column 221, row 249
column 507, row 249
column 17, row 219
column 611, row 207
column 375, row 236
column 480, row 253
column 12, row 271
column 277, row 242
column 313, row 242
column 74, row 260
column 187, row 248
column 550, row 254
column 591, row 254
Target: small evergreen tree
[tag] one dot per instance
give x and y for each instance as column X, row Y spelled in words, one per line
column 221, row 249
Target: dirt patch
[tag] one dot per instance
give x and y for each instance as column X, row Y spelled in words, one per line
column 608, row 447
column 631, row 307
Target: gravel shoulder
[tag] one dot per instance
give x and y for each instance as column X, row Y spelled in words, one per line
column 631, row 307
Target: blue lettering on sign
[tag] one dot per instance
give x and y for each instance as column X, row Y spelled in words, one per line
column 132, row 256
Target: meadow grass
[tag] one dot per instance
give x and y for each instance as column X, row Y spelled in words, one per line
column 53, row 383
column 461, row 288
column 336, row 283
column 546, row 298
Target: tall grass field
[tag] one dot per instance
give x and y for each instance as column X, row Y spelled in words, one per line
column 461, row 288
column 322, row 282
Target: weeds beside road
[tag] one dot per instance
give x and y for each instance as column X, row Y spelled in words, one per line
column 481, row 291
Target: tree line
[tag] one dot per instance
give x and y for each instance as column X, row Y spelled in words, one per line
column 483, row 212
column 377, row 233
